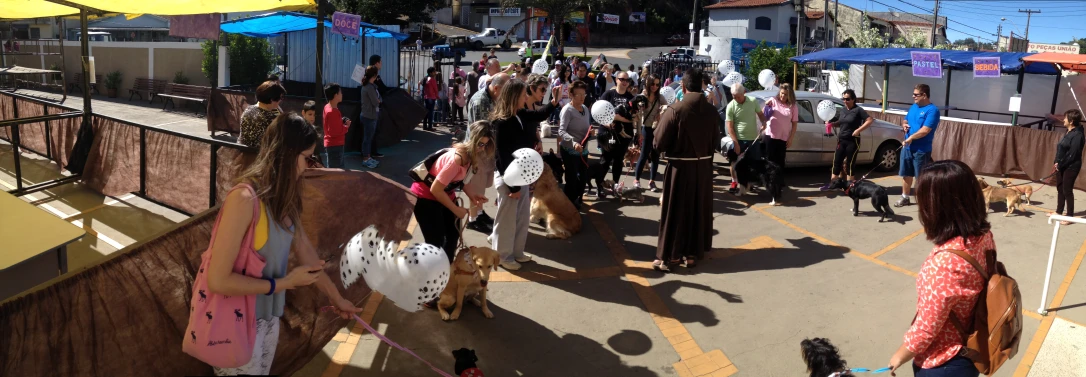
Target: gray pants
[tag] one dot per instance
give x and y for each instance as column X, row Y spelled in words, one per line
column 510, row 233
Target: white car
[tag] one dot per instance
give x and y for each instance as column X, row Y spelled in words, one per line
column 491, row 36
column 812, row 147
column 537, row 45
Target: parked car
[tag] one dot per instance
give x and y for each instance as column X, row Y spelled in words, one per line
column 812, row 147
column 678, row 40
column 455, row 47
column 491, row 36
column 687, row 53
column 537, row 50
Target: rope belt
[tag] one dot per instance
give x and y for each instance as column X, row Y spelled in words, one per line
column 688, row 158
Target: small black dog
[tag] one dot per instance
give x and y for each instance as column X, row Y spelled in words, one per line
column 555, row 162
column 862, row 190
column 465, row 362
column 749, row 171
column 822, row 358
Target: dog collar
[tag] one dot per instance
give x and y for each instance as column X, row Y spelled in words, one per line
column 471, row 372
column 471, row 262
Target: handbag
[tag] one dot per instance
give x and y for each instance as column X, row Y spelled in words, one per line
column 421, row 172
column 222, row 329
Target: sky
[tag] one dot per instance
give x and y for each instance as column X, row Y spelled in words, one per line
column 1058, row 22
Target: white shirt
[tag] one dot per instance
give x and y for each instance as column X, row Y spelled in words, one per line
column 484, row 80
column 633, row 76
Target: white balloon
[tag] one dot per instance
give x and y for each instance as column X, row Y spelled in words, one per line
column 725, row 67
column 540, row 66
column 603, row 112
column 826, row 110
column 733, row 78
column 409, row 278
column 669, row 94
column 767, row 78
column 772, row 88
column 525, row 169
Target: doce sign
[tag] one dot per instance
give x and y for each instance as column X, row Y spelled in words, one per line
column 346, row 24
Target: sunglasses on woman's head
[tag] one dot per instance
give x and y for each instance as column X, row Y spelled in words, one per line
column 483, row 145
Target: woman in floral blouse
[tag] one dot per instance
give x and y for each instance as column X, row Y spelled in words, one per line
column 954, row 216
column 258, row 117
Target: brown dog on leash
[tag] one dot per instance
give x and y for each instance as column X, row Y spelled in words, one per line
column 991, row 193
column 470, row 274
column 550, row 204
column 1025, row 190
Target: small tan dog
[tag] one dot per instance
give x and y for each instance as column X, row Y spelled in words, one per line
column 551, row 205
column 992, row 193
column 1025, row 190
column 470, row 274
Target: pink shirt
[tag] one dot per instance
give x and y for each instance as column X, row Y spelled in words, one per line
column 445, row 170
column 780, row 122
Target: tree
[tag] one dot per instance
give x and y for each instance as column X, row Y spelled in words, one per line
column 868, row 36
column 557, row 10
column 1081, row 42
column 387, row 12
column 765, row 57
column 965, row 42
column 251, row 59
column 912, row 38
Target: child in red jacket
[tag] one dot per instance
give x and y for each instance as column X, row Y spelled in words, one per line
column 335, row 127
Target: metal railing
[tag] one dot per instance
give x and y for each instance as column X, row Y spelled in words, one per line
column 979, row 112
column 1054, row 219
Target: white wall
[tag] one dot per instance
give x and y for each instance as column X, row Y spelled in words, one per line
column 739, row 23
column 442, row 16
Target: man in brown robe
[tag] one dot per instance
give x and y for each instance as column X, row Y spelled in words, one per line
column 686, row 134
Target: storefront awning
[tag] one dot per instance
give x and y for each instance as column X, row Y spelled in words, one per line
column 274, row 24
column 1010, row 62
column 22, row 9
column 1069, row 62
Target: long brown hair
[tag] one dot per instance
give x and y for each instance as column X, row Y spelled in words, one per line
column 274, row 174
column 951, row 202
column 789, row 94
column 509, row 101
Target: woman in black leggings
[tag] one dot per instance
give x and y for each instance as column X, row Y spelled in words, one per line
column 851, row 124
column 648, row 125
column 1068, row 163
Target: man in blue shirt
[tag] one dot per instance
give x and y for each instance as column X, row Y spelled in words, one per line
column 920, row 124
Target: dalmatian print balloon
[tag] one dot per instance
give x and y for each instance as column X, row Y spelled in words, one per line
column 603, row 112
column 525, row 169
column 725, row 67
column 668, row 93
column 733, row 78
column 767, row 78
column 410, row 277
column 826, row 110
column 540, row 66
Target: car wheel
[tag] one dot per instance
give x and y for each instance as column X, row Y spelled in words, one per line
column 506, row 44
column 887, row 157
column 478, row 45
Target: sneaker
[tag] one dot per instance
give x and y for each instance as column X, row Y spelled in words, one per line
column 485, row 219
column 511, row 266
column 652, row 187
column 480, row 227
column 524, row 258
column 377, row 155
column 371, row 163
column 904, row 201
column 825, row 187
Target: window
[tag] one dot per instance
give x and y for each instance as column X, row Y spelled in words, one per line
column 806, row 112
column 763, row 23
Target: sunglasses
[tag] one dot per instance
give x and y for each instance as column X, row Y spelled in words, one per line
column 484, row 145
column 621, row 79
column 916, row 94
column 847, row 99
column 313, row 162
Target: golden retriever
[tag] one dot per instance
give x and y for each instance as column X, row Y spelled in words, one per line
column 1025, row 190
column 551, row 205
column 992, row 193
column 470, row 274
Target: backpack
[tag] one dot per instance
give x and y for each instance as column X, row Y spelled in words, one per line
column 997, row 318
column 421, row 172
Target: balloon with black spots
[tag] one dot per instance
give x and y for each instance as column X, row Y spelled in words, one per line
column 399, row 275
column 525, row 169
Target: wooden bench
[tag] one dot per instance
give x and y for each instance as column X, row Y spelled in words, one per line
column 185, row 92
column 77, row 82
column 38, row 85
column 151, row 87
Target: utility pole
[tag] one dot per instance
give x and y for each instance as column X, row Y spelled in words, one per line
column 693, row 22
column 935, row 24
column 835, row 23
column 999, row 35
column 800, row 10
column 825, row 24
column 1029, row 14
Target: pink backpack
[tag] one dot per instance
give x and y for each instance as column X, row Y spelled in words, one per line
column 221, row 330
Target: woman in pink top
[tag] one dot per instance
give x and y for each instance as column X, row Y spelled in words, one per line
column 955, row 217
column 458, row 94
column 436, row 210
column 783, row 119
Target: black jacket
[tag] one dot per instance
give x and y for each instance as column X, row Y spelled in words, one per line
column 514, row 135
column 1069, row 150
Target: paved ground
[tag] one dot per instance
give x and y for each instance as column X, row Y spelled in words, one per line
column 590, row 306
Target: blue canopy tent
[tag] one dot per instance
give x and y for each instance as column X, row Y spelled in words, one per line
column 1010, row 63
column 278, row 23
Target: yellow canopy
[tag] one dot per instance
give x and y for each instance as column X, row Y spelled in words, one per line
column 21, row 9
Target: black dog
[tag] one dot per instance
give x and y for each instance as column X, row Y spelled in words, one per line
column 862, row 190
column 465, row 360
column 555, row 162
column 749, row 171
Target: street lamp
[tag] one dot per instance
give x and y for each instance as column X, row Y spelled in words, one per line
column 799, row 25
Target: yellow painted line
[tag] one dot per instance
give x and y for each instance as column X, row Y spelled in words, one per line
column 1033, row 314
column 695, row 362
column 342, row 356
column 758, row 243
column 1042, row 331
column 896, row 244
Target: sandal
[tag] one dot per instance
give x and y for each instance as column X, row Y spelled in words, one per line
column 1050, row 214
column 659, row 265
column 1065, row 223
column 691, row 262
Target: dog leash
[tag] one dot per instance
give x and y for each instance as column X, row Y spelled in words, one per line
column 391, row 343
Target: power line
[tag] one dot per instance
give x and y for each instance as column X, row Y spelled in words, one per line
column 937, row 21
column 947, row 27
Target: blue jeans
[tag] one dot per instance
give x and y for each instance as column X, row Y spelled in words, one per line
column 369, row 128
column 647, row 155
column 912, row 162
column 959, row 366
column 428, row 121
column 333, row 157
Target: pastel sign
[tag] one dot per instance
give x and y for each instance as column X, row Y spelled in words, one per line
column 986, row 67
column 927, row 64
column 346, row 23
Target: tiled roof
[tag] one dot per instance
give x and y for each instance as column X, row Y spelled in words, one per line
column 726, row 4
column 815, row 14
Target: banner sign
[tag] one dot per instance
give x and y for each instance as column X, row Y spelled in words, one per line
column 927, row 64
column 610, row 18
column 637, row 16
column 576, row 17
column 509, row 12
column 1048, row 47
column 986, row 67
column 346, row 24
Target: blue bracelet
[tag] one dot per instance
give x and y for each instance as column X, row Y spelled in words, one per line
column 272, row 291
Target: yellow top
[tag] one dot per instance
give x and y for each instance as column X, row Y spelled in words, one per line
column 260, row 234
column 26, row 231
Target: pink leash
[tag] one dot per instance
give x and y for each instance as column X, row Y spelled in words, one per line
column 392, row 343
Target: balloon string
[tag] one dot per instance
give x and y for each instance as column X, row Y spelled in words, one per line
column 392, row 343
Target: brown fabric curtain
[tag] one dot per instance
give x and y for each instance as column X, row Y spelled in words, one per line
column 62, row 134
column 32, row 135
column 125, row 316
column 113, row 166
column 178, row 171
column 224, row 109
column 995, row 150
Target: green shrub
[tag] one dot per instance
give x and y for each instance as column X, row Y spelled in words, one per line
column 113, row 80
column 180, row 78
column 251, row 59
column 776, row 60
